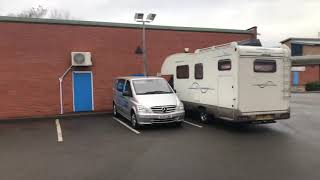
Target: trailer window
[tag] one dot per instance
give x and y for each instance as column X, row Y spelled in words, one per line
column 224, row 65
column 183, row 72
column 265, row 66
column 198, row 71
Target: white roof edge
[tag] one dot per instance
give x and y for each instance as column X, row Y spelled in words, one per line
column 309, row 57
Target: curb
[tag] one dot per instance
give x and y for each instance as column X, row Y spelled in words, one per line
column 57, row 116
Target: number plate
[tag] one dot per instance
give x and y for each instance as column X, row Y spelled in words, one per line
column 264, row 117
column 165, row 117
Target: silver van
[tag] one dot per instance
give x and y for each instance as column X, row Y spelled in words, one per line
column 146, row 100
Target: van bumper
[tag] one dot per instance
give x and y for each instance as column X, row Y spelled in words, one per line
column 154, row 118
column 263, row 117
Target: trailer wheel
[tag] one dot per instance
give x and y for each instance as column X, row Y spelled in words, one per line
column 203, row 115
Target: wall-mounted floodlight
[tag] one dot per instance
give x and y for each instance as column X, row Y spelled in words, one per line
column 151, row 17
column 138, row 17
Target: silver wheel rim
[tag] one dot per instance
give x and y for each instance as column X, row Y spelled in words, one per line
column 133, row 120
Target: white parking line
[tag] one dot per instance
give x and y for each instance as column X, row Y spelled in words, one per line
column 126, row 125
column 192, row 124
column 59, row 131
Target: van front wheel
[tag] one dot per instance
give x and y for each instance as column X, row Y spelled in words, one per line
column 115, row 111
column 134, row 121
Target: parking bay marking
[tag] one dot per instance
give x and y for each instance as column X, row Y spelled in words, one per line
column 126, row 125
column 192, row 124
column 59, row 131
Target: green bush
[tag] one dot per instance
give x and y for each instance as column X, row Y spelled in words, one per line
column 313, row 86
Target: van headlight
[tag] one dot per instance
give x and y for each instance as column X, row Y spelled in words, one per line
column 143, row 109
column 181, row 107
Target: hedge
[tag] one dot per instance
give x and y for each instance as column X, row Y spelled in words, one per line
column 313, row 86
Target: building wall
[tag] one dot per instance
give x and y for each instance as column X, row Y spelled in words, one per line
column 311, row 74
column 307, row 49
column 311, row 50
column 33, row 56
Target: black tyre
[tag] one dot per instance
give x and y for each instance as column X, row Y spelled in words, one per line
column 134, row 122
column 177, row 124
column 204, row 116
column 115, row 111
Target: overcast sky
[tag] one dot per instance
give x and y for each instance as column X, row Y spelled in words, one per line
column 276, row 19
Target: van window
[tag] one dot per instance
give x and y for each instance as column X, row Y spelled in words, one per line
column 183, row 72
column 265, row 66
column 151, row 86
column 224, row 65
column 198, row 71
column 127, row 88
column 120, row 85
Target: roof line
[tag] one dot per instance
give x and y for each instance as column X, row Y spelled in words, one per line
column 305, row 60
column 300, row 39
column 119, row 25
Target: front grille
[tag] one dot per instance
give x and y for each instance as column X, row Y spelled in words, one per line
column 163, row 109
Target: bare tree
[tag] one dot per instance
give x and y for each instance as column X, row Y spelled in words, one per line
column 59, row 14
column 41, row 12
column 38, row 12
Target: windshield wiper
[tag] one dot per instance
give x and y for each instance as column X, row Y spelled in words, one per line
column 156, row 92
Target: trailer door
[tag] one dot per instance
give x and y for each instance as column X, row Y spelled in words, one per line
column 225, row 92
column 261, row 84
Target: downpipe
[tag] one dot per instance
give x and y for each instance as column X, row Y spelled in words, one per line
column 61, row 88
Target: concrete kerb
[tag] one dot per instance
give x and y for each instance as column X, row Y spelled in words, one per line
column 53, row 117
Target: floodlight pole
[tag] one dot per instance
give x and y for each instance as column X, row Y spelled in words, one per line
column 144, row 49
column 139, row 18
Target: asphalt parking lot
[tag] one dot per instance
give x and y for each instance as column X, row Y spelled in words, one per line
column 99, row 147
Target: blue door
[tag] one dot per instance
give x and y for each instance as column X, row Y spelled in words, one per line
column 82, row 91
column 296, row 78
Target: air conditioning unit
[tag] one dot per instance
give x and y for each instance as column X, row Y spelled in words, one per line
column 81, row 59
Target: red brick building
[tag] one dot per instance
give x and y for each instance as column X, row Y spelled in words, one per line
column 305, row 54
column 36, row 52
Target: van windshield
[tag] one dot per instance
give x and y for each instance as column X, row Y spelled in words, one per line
column 151, row 86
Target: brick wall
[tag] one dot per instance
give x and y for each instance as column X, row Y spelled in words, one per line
column 311, row 74
column 33, row 56
column 307, row 50
column 311, row 50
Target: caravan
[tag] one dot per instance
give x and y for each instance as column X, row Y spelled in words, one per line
column 233, row 82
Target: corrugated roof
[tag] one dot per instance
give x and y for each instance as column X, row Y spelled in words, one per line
column 120, row 25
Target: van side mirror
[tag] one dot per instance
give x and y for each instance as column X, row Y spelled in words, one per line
column 175, row 91
column 126, row 93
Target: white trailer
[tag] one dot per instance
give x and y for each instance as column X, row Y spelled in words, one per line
column 233, row 82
